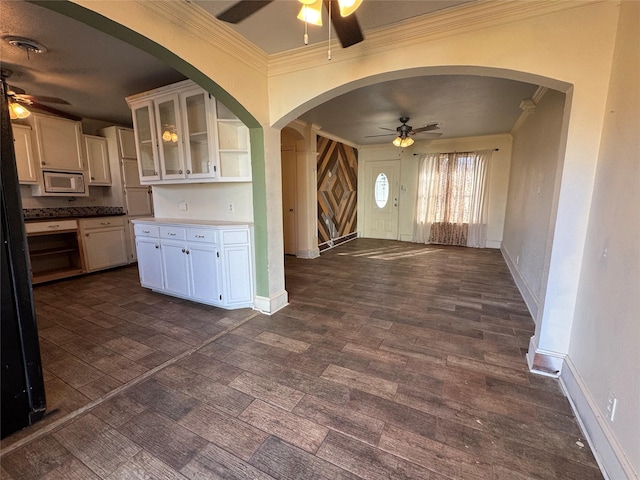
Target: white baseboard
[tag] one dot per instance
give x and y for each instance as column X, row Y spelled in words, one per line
column 270, row 305
column 314, row 253
column 527, row 294
column 544, row 362
column 606, row 449
column 494, row 244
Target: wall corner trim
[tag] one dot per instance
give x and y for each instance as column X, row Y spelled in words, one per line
column 608, row 453
column 544, row 362
column 270, row 305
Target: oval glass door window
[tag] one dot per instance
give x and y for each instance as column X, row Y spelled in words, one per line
column 381, row 190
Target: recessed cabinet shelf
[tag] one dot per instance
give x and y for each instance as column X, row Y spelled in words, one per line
column 184, row 135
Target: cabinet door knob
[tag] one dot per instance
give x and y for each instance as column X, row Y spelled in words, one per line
column 187, row 252
column 157, row 246
column 188, row 172
column 183, row 251
column 44, row 163
column 180, row 172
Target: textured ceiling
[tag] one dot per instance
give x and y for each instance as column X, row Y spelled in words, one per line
column 94, row 72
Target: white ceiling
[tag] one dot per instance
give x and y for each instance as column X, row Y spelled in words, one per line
column 94, row 72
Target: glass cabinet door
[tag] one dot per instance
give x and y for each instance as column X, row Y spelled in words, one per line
column 170, row 137
column 198, row 115
column 145, row 142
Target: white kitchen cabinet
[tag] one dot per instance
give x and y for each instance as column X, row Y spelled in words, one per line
column 25, row 160
column 98, row 160
column 181, row 139
column 146, row 143
column 203, row 273
column 126, row 189
column 196, row 262
column 104, row 242
column 149, row 257
column 126, row 143
column 59, row 143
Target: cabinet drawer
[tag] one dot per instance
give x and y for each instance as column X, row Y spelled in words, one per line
column 173, row 233
column 144, row 230
column 102, row 222
column 231, row 237
column 201, row 235
column 41, row 227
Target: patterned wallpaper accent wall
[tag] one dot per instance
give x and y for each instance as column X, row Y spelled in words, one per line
column 337, row 192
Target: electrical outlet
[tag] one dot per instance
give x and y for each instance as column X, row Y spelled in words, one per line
column 231, row 208
column 612, row 404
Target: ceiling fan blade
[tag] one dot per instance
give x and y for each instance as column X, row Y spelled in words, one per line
column 55, row 111
column 241, row 10
column 390, row 129
column 347, row 28
column 430, row 135
column 431, row 126
column 15, row 90
column 39, row 98
column 383, row 135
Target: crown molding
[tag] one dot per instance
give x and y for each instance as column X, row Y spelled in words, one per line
column 528, row 107
column 450, row 22
column 192, row 18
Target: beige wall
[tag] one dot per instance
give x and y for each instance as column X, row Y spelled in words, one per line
column 533, row 190
column 605, row 341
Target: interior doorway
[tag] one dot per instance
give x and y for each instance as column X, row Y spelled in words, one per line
column 289, row 185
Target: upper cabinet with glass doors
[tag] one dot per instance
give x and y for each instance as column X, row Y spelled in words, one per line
column 182, row 137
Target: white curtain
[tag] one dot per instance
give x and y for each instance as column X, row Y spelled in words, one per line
column 477, row 234
column 451, row 204
column 425, row 204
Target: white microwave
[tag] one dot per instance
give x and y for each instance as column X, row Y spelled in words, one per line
column 63, row 183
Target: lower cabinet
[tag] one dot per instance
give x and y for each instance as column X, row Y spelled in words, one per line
column 206, row 263
column 103, row 242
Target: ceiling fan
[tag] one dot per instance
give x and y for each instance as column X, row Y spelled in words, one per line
column 19, row 99
column 404, row 132
column 347, row 28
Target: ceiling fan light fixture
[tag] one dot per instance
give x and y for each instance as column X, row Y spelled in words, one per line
column 347, row 7
column 402, row 142
column 311, row 12
column 17, row 111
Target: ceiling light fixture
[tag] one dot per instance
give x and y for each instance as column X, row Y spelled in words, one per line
column 311, row 12
column 403, row 141
column 17, row 111
column 347, row 7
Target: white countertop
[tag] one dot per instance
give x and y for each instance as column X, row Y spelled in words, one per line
column 189, row 222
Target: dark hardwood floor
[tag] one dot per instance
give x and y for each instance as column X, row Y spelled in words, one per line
column 392, row 361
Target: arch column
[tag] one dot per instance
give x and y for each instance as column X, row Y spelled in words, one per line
column 271, row 295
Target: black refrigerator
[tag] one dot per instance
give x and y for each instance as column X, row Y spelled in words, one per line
column 22, row 397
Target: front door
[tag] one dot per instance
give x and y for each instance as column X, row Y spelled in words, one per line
column 381, row 200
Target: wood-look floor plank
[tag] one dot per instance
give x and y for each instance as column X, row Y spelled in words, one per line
column 366, row 461
column 96, row 444
column 292, row 428
column 366, row 383
column 214, row 462
column 341, row 419
column 268, row 390
column 284, row 461
column 233, row 435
